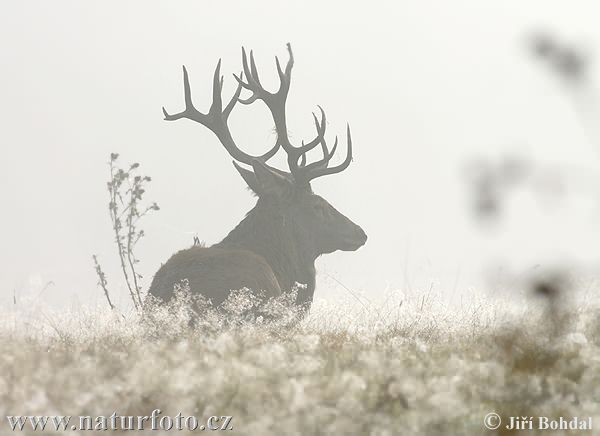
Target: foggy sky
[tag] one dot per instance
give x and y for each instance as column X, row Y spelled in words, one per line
column 425, row 86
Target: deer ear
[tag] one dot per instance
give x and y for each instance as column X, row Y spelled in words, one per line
column 270, row 182
column 249, row 177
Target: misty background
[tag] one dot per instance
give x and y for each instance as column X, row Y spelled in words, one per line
column 427, row 88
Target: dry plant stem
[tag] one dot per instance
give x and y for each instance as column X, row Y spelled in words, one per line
column 114, row 193
column 130, row 234
column 126, row 189
column 133, row 236
column 102, row 281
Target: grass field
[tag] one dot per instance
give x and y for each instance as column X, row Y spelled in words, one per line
column 412, row 369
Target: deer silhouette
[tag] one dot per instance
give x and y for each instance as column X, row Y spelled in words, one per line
column 277, row 243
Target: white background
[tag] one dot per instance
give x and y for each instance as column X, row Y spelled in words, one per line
column 426, row 86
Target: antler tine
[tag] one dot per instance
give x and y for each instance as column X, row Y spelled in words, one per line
column 254, row 70
column 190, row 111
column 323, row 171
column 217, row 103
column 335, row 144
column 296, row 154
column 233, row 101
column 327, row 155
column 254, row 85
column 303, row 161
column 320, row 138
column 286, row 76
column 300, row 153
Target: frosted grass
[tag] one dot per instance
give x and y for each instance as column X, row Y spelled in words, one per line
column 403, row 367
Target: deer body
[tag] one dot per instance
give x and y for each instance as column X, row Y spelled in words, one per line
column 214, row 271
column 277, row 243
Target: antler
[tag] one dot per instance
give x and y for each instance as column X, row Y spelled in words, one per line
column 301, row 172
column 216, row 118
column 320, row 168
column 216, row 121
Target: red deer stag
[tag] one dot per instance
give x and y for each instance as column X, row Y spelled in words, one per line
column 278, row 241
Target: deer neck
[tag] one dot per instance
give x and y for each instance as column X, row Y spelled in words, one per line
column 274, row 238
